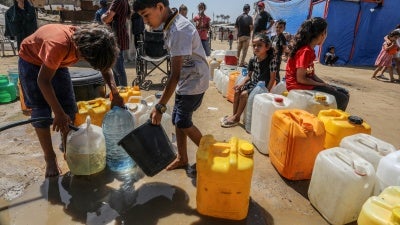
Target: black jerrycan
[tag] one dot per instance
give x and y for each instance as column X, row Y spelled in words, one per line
column 150, row 147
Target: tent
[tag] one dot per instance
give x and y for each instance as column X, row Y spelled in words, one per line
column 355, row 27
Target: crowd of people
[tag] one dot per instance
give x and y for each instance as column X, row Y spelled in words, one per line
column 45, row 54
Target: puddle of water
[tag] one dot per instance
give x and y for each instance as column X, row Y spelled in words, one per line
column 104, row 198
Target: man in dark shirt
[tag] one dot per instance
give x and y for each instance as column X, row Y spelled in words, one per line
column 244, row 26
column 279, row 45
column 262, row 19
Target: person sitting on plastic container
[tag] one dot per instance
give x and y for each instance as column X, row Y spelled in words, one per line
column 262, row 67
column 300, row 73
column 46, row 82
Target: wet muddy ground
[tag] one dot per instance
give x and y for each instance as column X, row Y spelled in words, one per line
column 170, row 197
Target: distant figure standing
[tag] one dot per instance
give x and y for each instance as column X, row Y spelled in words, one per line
column 137, row 27
column 244, row 26
column 203, row 25
column 263, row 21
column 230, row 39
column 103, row 9
column 385, row 57
column 279, row 45
column 117, row 15
column 183, row 10
column 20, row 21
column 330, row 56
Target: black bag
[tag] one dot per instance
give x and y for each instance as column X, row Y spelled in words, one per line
column 154, row 44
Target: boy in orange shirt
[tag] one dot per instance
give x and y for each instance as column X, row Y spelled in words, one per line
column 46, row 82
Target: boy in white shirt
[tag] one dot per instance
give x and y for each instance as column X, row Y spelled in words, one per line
column 189, row 77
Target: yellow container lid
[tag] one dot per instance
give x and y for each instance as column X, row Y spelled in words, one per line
column 395, row 216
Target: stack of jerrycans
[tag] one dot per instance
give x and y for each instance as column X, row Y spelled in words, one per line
column 224, row 172
column 295, row 140
column 339, row 124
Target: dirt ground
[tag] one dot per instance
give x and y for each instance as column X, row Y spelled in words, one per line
column 25, row 193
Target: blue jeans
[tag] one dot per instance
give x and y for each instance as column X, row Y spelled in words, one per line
column 119, row 71
column 206, row 46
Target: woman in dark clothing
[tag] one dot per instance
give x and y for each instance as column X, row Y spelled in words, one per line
column 20, row 20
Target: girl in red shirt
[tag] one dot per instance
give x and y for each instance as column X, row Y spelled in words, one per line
column 300, row 73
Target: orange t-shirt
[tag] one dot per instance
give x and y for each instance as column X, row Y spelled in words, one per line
column 50, row 45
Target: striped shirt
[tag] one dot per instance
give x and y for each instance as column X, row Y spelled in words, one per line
column 122, row 11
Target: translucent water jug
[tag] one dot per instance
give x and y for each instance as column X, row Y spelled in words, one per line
column 86, row 149
column 225, row 82
column 136, row 107
column 279, row 88
column 296, row 138
column 388, row 172
column 383, row 209
column 340, row 184
column 117, row 123
column 259, row 89
column 367, row 146
column 13, row 76
column 264, row 106
column 312, row 101
column 224, row 172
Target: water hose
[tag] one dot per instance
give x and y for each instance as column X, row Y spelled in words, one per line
column 39, row 119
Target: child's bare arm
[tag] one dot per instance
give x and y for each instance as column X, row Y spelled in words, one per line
column 108, row 77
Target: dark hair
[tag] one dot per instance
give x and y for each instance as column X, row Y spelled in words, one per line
column 330, row 48
column 143, row 4
column 246, row 7
column 394, row 33
column 96, row 44
column 308, row 30
column 202, row 4
column 103, row 3
column 281, row 21
column 182, row 7
column 263, row 37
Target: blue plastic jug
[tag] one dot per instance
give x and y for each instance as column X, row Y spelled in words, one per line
column 117, row 123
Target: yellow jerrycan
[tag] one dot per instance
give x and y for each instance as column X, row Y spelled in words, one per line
column 126, row 92
column 224, row 172
column 339, row 124
column 383, row 209
column 95, row 108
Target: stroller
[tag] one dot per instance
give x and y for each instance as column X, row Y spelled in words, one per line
column 151, row 51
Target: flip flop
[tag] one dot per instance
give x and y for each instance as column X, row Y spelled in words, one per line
column 227, row 124
column 223, row 119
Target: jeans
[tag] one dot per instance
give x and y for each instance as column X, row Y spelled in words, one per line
column 206, row 47
column 119, row 71
column 342, row 95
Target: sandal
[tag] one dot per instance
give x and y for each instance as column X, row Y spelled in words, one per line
column 223, row 119
column 227, row 124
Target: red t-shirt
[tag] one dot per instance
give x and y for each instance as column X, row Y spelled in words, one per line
column 202, row 25
column 50, row 45
column 304, row 58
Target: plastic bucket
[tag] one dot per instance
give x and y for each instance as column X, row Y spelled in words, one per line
column 88, row 84
column 150, row 147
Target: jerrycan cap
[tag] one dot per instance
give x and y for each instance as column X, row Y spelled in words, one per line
column 320, row 97
column 278, row 99
column 360, row 168
column 246, row 149
column 355, row 120
column 395, row 218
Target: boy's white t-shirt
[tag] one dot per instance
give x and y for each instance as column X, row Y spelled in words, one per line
column 182, row 39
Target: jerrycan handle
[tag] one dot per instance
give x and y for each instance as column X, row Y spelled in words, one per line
column 150, row 100
column 355, row 164
column 88, row 122
column 131, row 99
column 374, row 146
column 307, row 127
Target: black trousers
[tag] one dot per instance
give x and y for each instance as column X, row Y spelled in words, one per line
column 342, row 95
